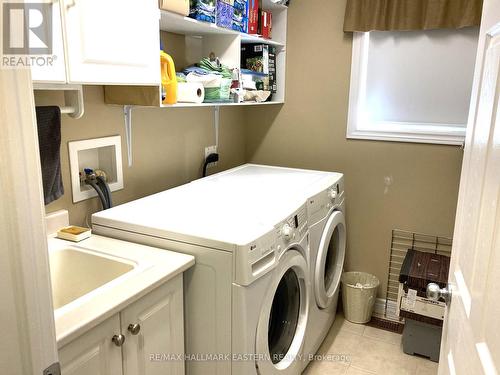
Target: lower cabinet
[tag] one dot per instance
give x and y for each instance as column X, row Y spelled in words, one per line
column 145, row 338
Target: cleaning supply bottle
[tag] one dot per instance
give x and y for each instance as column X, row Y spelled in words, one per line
column 168, row 79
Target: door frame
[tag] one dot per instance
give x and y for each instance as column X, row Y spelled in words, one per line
column 28, row 344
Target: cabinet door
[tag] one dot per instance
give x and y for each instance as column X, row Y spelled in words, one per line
column 159, row 345
column 112, row 41
column 94, row 352
column 53, row 68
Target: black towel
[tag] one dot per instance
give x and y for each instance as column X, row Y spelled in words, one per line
column 49, row 139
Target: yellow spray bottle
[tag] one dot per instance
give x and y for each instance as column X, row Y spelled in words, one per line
column 168, row 78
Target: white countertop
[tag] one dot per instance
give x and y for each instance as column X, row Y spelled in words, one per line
column 152, row 267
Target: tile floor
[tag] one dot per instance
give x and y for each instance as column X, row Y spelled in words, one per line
column 367, row 350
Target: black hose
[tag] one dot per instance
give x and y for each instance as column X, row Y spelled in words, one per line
column 101, row 195
column 212, row 158
column 101, row 182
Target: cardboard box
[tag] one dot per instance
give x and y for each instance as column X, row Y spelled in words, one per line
column 232, row 14
column 253, row 16
column 225, row 14
column 266, row 24
column 176, row 6
column 240, row 20
column 260, row 58
column 203, row 10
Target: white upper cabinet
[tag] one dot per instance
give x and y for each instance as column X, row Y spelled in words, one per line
column 112, row 41
column 103, row 42
column 53, row 70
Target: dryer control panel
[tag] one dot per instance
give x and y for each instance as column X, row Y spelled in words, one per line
column 322, row 203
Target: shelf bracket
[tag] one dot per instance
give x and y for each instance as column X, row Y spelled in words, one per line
column 127, row 114
column 216, row 125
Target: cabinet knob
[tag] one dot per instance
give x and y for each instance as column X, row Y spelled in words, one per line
column 134, row 329
column 118, row 340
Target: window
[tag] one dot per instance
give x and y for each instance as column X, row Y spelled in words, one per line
column 412, row 86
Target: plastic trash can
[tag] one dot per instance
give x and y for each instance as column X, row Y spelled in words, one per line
column 359, row 292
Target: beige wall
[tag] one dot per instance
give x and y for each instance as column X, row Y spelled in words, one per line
column 309, row 132
column 168, row 146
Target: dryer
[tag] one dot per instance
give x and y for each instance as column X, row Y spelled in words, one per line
column 324, row 194
column 327, row 245
column 247, row 297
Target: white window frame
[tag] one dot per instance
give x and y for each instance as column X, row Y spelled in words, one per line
column 359, row 128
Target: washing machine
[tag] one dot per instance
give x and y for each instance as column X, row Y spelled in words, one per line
column 271, row 312
column 247, row 297
column 325, row 197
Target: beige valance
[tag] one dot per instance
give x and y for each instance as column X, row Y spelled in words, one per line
column 387, row 15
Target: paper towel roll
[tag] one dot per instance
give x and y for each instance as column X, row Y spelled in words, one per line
column 190, row 92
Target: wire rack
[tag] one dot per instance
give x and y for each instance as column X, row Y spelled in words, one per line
column 401, row 242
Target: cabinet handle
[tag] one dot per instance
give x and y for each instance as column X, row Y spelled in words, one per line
column 70, row 4
column 134, row 329
column 118, row 340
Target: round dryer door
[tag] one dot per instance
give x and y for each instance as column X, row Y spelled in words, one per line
column 330, row 259
column 282, row 323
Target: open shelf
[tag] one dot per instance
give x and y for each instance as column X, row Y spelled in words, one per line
column 193, row 105
column 175, row 23
column 188, row 40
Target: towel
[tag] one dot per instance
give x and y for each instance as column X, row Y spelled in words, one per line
column 49, row 140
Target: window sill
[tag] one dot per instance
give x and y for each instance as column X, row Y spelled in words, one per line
column 414, row 133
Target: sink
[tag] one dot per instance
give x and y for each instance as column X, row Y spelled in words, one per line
column 75, row 273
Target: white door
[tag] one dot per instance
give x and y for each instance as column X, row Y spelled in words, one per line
column 154, row 331
column 471, row 341
column 53, row 70
column 283, row 320
column 112, row 41
column 94, row 352
column 330, row 260
column 28, row 344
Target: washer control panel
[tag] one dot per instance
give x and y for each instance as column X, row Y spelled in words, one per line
column 292, row 229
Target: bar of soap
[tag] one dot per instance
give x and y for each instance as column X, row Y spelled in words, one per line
column 74, row 233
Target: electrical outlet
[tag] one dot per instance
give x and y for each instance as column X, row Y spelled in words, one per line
column 211, row 150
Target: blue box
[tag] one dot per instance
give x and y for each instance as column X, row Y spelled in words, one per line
column 203, row 10
column 225, row 14
column 242, row 5
column 240, row 17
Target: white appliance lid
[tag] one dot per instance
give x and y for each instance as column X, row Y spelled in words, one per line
column 235, row 207
column 250, row 179
column 189, row 215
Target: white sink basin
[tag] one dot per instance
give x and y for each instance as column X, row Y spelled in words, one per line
column 75, row 273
